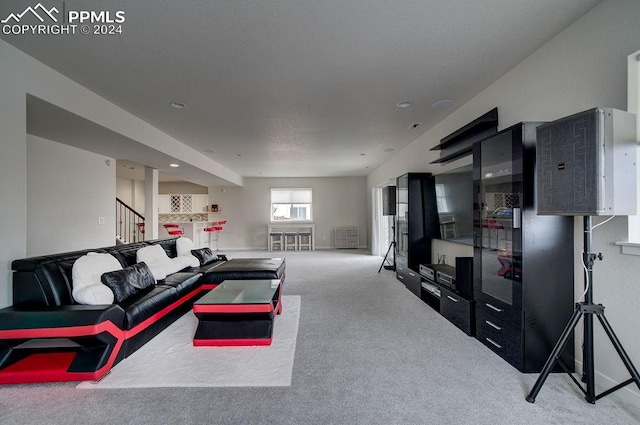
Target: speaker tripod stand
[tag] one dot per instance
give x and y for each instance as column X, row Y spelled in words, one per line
column 586, row 309
column 384, row 264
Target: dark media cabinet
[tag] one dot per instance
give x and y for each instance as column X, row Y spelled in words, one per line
column 516, row 293
column 416, row 225
column 523, row 262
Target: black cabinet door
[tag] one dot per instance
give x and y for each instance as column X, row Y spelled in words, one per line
column 416, row 218
column 457, row 310
column 410, row 278
column 498, row 226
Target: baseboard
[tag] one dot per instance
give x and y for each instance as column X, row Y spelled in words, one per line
column 628, row 393
column 318, row 248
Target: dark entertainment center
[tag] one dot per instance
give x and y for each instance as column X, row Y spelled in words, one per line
column 416, row 226
column 515, row 294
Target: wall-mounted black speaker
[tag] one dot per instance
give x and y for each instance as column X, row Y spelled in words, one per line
column 586, row 164
column 389, row 200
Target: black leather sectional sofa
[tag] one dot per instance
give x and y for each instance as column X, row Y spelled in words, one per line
column 46, row 336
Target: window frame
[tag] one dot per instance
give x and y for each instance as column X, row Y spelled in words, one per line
column 292, row 204
column 632, row 244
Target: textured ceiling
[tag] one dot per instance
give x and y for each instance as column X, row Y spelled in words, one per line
column 288, row 88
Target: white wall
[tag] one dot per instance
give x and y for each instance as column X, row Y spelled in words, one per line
column 124, row 190
column 166, row 188
column 131, row 192
column 583, row 67
column 68, row 189
column 13, row 177
column 337, row 202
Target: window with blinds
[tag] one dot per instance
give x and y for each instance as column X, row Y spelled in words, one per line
column 291, row 205
column 633, row 99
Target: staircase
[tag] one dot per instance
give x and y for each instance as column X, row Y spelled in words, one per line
column 129, row 224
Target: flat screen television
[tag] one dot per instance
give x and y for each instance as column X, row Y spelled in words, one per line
column 454, row 196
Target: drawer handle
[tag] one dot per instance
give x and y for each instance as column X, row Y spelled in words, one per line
column 452, row 299
column 493, row 325
column 400, row 277
column 411, row 274
column 492, row 342
column 492, row 307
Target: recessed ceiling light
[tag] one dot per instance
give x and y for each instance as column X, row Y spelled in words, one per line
column 443, row 104
column 404, row 104
column 174, row 165
column 178, row 105
column 415, row 125
column 238, row 155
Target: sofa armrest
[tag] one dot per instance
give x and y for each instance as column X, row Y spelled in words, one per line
column 66, row 316
column 66, row 343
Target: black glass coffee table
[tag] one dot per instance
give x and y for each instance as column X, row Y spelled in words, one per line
column 238, row 313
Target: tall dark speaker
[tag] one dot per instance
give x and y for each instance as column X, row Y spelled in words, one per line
column 389, row 200
column 464, row 276
column 586, row 164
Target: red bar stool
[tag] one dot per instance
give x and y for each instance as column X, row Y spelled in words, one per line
column 174, row 229
column 215, row 228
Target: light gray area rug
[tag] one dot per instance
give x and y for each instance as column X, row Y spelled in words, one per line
column 368, row 352
column 171, row 360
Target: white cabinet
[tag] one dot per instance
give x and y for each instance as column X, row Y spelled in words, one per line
column 200, row 203
column 164, row 204
column 347, row 237
column 182, row 204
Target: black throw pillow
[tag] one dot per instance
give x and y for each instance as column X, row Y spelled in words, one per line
column 128, row 281
column 204, row 255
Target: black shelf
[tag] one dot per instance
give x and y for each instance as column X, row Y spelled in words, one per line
column 477, row 129
column 459, row 143
column 452, row 157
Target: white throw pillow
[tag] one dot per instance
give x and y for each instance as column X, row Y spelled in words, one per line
column 159, row 269
column 85, row 275
column 151, row 254
column 183, row 262
column 184, row 247
column 159, row 263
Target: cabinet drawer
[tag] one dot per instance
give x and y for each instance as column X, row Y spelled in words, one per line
column 410, row 279
column 458, row 311
column 499, row 309
column 500, row 337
